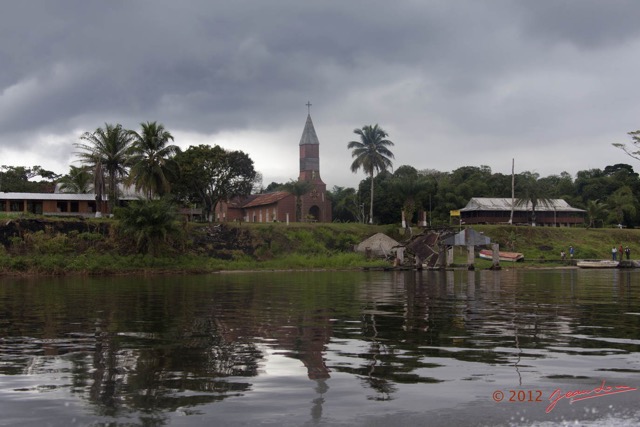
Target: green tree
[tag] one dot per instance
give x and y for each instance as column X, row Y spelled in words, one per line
column 298, row 189
column 371, row 154
column 151, row 223
column 635, row 141
column 209, row 175
column 346, row 205
column 106, row 151
column 22, row 179
column 596, row 211
column 77, row 181
column 621, row 202
column 151, row 159
column 412, row 188
column 532, row 193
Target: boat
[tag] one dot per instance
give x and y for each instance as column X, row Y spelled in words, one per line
column 597, row 263
column 503, row 256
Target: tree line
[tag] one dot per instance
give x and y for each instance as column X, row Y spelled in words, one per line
column 204, row 175
column 113, row 158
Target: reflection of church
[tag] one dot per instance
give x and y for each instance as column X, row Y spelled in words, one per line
column 280, row 206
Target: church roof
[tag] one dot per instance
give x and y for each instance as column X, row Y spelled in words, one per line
column 265, row 199
column 309, row 133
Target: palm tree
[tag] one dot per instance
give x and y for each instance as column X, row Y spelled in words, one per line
column 371, row 154
column 107, row 151
column 298, row 189
column 533, row 194
column 151, row 223
column 151, row 158
column 77, row 181
column 596, row 210
column 409, row 188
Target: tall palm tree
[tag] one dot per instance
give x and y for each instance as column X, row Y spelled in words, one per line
column 371, row 154
column 77, row 181
column 106, row 151
column 298, row 189
column 151, row 157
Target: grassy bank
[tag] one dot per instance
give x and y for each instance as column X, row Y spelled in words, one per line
column 72, row 246
column 38, row 246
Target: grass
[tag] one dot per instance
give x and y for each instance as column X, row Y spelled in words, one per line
column 275, row 246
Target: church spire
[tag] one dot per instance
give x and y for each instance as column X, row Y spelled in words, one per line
column 309, row 151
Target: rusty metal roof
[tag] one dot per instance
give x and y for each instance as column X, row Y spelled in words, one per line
column 265, row 199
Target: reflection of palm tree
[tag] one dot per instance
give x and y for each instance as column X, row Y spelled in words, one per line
column 371, row 154
column 376, row 382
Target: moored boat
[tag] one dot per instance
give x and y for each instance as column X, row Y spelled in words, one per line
column 597, row 263
column 503, row 256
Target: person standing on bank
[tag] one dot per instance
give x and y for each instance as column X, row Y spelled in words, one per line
column 614, row 251
column 571, row 252
column 627, row 251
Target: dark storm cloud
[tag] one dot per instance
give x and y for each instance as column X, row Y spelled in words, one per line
column 495, row 75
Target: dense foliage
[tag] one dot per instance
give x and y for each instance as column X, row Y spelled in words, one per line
column 609, row 195
column 207, row 175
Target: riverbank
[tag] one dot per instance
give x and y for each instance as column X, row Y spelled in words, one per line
column 49, row 246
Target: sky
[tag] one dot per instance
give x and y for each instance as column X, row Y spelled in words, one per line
column 547, row 84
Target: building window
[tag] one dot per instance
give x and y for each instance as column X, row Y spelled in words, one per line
column 16, row 206
column 61, row 206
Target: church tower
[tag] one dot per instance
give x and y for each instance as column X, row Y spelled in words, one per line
column 315, row 203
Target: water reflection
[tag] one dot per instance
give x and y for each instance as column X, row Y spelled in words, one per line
column 336, row 346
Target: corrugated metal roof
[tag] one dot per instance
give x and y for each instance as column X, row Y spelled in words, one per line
column 502, row 204
column 266, row 199
column 54, row 196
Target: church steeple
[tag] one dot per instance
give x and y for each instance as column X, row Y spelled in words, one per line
column 309, row 152
column 315, row 204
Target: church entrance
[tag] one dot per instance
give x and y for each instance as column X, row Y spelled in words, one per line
column 314, row 213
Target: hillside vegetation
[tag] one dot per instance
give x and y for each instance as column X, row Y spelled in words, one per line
column 75, row 246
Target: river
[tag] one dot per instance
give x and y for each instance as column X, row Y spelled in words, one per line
column 485, row 348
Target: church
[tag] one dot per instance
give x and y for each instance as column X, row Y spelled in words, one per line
column 280, row 206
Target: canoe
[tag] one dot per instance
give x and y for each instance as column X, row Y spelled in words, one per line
column 598, row 263
column 503, row 256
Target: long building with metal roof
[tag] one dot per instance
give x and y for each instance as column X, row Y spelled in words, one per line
column 494, row 210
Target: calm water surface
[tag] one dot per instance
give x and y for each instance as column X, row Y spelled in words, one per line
column 330, row 348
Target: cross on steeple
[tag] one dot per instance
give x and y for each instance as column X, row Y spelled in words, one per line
column 308, row 104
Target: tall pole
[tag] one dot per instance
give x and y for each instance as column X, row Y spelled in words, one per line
column 513, row 186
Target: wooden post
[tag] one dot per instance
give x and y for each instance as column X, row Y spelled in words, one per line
column 495, row 255
column 470, row 257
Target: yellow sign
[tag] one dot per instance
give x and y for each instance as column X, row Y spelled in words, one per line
column 454, row 213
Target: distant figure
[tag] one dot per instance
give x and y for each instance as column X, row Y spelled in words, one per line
column 628, row 252
column 621, row 251
column 614, row 252
column 563, row 255
column 571, row 252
